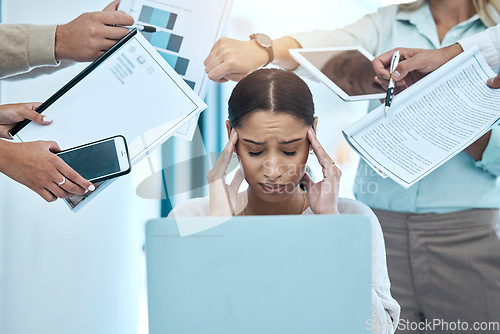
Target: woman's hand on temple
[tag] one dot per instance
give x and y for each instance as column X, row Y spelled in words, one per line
column 223, row 197
column 323, row 196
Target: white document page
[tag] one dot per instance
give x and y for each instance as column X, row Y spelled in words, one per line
column 133, row 93
column 430, row 122
column 186, row 32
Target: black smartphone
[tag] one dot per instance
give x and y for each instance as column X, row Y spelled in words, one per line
column 100, row 160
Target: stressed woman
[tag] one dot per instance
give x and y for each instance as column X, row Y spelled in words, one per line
column 271, row 130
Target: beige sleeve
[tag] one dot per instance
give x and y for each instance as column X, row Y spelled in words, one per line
column 26, row 46
column 488, row 43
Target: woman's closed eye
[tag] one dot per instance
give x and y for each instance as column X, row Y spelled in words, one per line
column 254, row 154
column 292, row 153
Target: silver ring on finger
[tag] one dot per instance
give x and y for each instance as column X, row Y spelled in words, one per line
column 62, row 182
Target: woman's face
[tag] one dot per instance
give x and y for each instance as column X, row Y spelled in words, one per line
column 273, row 150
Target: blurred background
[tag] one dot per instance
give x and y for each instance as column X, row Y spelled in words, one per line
column 65, row 272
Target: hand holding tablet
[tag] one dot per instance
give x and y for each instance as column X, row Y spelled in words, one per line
column 347, row 71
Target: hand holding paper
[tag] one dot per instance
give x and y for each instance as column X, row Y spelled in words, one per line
column 430, row 122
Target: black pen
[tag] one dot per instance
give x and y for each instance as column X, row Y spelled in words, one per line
column 390, row 89
column 140, row 27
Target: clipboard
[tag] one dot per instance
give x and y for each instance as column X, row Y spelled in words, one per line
column 130, row 90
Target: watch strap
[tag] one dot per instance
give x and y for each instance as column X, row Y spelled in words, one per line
column 268, row 48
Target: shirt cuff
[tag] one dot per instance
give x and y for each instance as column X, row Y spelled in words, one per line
column 305, row 41
column 487, row 42
column 491, row 155
column 41, row 48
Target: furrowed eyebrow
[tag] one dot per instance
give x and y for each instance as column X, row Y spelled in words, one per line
column 281, row 142
column 290, row 141
column 253, row 142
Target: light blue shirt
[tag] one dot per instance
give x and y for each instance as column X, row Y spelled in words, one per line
column 459, row 184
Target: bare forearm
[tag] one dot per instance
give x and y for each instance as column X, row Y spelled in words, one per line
column 4, row 146
column 476, row 149
column 282, row 57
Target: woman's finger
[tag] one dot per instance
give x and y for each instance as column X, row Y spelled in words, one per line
column 494, row 82
column 70, row 187
column 47, row 195
column 332, row 172
column 323, row 158
column 382, row 83
column 57, row 190
column 381, row 65
column 29, row 113
column 222, row 162
column 81, row 185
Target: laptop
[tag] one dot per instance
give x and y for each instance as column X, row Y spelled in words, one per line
column 259, row 275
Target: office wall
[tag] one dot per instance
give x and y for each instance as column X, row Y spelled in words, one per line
column 65, row 272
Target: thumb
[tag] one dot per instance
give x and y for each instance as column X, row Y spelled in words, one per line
column 53, row 147
column 112, row 6
column 494, row 82
column 32, row 115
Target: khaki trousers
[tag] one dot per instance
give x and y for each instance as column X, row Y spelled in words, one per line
column 444, row 270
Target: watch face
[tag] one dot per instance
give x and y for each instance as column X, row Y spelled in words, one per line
column 264, row 40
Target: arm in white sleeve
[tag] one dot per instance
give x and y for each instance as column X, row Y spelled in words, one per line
column 488, row 42
column 366, row 32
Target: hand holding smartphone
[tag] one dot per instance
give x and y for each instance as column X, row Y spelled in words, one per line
column 100, row 160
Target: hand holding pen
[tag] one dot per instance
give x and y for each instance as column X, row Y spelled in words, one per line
column 141, row 27
column 390, row 89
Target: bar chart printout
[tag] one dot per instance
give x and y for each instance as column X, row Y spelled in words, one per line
column 157, row 17
column 186, row 30
column 164, row 40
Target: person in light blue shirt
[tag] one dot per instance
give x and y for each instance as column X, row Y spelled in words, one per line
column 443, row 247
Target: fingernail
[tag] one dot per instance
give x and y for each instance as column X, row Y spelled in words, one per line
column 91, row 187
column 490, row 81
column 396, row 74
column 47, row 119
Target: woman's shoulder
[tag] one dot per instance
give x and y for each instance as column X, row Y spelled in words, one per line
column 353, row 207
column 196, row 207
column 347, row 206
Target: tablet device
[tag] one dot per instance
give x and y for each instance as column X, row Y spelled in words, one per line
column 347, row 71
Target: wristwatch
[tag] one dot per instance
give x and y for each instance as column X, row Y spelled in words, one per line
column 266, row 42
